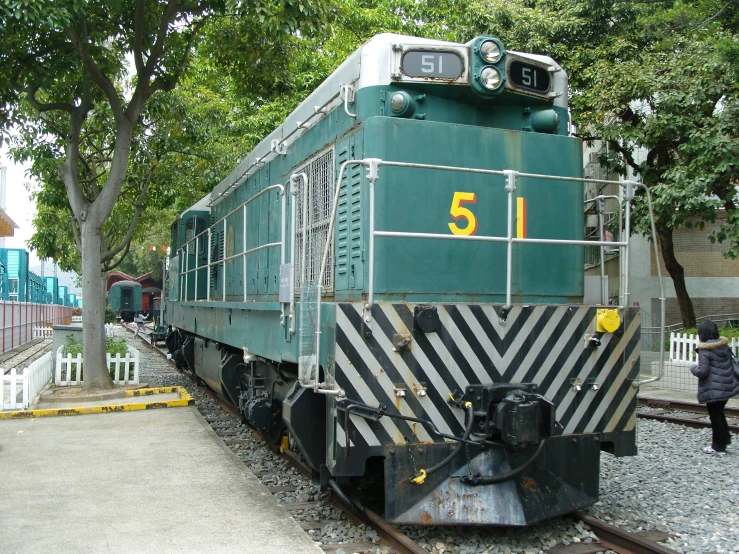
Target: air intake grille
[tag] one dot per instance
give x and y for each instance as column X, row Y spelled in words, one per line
column 320, row 173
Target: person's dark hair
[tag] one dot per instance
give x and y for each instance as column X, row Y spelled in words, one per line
column 707, row 330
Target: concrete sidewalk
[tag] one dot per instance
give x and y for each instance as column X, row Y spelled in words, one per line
column 146, row 481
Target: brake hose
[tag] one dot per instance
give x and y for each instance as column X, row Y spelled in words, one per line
column 422, row 474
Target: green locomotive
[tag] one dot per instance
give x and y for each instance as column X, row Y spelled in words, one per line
column 394, row 278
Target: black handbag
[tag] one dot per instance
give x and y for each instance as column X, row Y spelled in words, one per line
column 735, row 366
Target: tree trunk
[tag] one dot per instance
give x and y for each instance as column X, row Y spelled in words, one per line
column 96, row 373
column 677, row 273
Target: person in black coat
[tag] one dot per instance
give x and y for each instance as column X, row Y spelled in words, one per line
column 716, row 382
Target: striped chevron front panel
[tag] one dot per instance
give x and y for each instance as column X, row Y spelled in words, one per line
column 542, row 344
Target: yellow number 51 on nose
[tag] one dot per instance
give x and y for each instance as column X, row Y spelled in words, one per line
column 458, row 211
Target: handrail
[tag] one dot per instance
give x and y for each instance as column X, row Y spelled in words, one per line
column 511, row 177
column 185, row 249
column 313, row 383
column 277, row 145
column 655, row 238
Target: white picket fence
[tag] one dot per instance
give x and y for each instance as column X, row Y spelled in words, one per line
column 43, row 332
column 32, row 380
column 126, row 369
column 683, row 347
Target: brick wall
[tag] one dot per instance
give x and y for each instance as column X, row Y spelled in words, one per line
column 698, row 256
column 702, row 307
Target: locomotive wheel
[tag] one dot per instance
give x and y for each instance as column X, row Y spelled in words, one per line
column 275, row 436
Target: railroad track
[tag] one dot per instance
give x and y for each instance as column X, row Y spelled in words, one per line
column 224, row 419
column 24, row 355
column 688, row 414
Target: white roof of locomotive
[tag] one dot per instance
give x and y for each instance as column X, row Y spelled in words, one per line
column 199, row 206
column 370, row 65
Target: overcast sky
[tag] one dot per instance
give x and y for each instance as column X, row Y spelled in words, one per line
column 21, row 209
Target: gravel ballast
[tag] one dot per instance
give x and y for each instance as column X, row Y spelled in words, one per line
column 671, row 486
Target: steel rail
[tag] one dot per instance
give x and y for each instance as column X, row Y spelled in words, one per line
column 620, row 540
column 684, row 406
column 687, row 422
column 396, row 539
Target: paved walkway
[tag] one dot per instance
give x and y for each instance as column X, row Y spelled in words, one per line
column 149, row 481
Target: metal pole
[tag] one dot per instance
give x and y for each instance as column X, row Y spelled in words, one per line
column 244, row 252
column 197, row 263
column 603, row 292
column 283, row 209
column 293, row 238
column 187, row 270
column 510, row 189
column 303, row 272
column 628, row 197
column 371, row 284
column 224, row 258
column 660, row 372
column 207, row 276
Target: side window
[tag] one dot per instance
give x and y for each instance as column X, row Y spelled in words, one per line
column 13, row 289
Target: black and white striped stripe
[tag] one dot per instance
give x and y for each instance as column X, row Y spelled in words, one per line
column 537, row 344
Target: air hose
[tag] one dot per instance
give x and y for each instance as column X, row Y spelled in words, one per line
column 422, row 474
column 493, row 479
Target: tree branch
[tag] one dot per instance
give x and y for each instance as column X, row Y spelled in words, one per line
column 626, row 153
column 126, row 240
column 108, row 266
column 138, row 55
column 97, row 76
column 44, row 107
column 161, row 84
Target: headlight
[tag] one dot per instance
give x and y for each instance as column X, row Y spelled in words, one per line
column 490, row 78
column 397, row 102
column 490, row 51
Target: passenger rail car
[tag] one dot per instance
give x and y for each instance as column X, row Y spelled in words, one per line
column 394, row 277
column 124, row 298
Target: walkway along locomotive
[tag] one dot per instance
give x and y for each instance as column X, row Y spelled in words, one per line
column 395, row 274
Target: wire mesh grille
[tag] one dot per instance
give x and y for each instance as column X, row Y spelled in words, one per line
column 320, row 172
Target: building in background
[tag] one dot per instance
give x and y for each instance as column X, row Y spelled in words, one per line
column 7, row 225
column 712, row 280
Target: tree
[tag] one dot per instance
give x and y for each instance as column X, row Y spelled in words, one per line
column 654, row 76
column 64, row 83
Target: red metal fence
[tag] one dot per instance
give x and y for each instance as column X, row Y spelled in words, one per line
column 17, row 320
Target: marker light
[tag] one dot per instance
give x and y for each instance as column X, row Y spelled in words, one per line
column 397, row 102
column 490, row 51
column 401, row 104
column 490, row 78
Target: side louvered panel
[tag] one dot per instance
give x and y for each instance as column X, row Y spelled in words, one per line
column 342, row 223
column 349, row 224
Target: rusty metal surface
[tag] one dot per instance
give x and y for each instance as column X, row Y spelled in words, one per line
column 684, row 406
column 622, row 541
column 685, row 421
column 553, row 485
